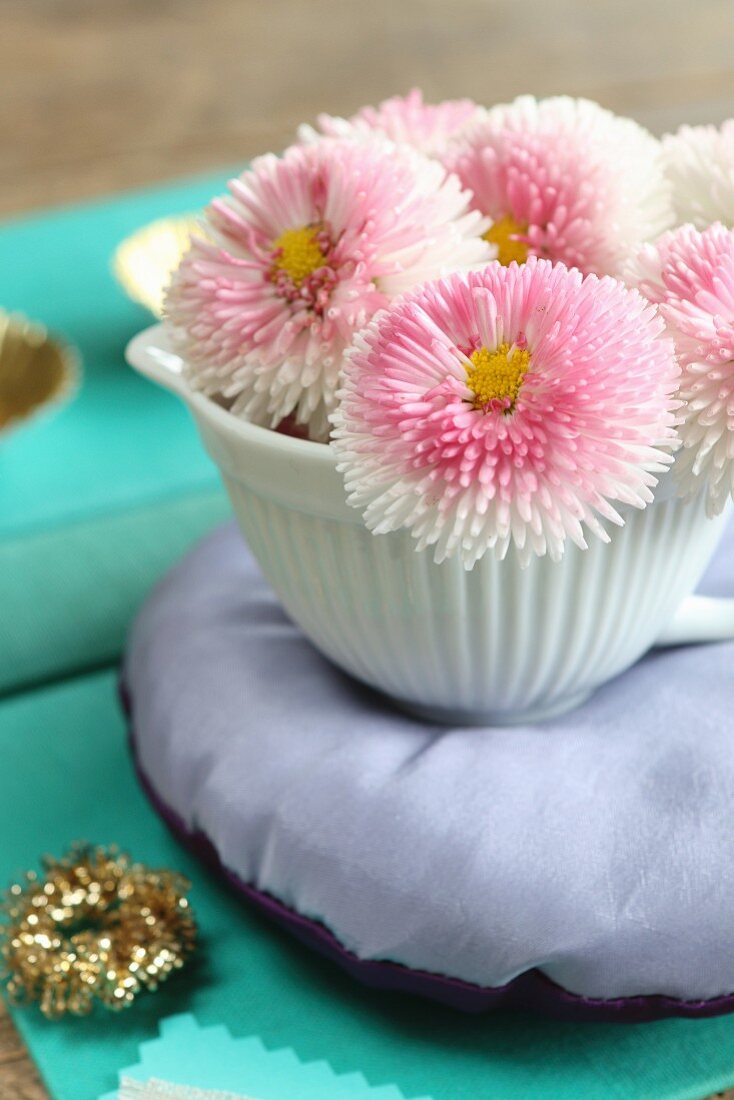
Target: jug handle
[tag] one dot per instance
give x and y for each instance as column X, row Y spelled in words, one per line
column 700, row 619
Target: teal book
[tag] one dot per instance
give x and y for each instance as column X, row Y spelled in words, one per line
column 98, row 497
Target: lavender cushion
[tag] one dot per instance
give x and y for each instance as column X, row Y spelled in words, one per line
column 584, row 866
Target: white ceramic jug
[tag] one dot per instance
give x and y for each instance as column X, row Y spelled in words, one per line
column 495, row 645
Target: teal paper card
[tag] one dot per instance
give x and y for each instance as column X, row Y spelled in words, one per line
column 210, row 1058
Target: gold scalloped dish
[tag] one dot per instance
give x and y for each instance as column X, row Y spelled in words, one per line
column 37, row 370
column 143, row 262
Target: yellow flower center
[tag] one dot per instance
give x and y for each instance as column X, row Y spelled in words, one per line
column 503, row 233
column 298, row 252
column 497, row 375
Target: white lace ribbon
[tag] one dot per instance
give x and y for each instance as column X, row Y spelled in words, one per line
column 164, row 1090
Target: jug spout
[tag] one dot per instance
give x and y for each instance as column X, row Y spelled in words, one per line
column 157, row 360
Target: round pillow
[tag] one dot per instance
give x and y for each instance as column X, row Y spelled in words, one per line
column 583, row 867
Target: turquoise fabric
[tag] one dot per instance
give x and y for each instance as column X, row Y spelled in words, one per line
column 66, row 776
column 98, row 498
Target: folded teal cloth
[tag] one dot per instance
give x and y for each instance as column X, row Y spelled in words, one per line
column 97, row 498
column 66, row 776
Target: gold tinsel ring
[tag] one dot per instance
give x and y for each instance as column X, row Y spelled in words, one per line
column 93, row 928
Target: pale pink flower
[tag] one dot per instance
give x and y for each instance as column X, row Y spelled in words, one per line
column 304, row 249
column 699, row 162
column 564, row 179
column 690, row 274
column 403, row 119
column 513, row 404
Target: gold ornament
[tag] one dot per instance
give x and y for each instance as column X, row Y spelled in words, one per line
column 143, row 263
column 93, row 928
column 35, row 369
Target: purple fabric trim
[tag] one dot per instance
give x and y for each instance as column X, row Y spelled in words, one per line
column 531, row 991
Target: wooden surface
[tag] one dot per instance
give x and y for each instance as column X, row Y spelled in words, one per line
column 18, row 1078
column 102, row 94
column 99, row 95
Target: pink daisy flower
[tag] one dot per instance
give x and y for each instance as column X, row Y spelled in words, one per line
column 510, row 405
column 699, row 162
column 690, row 274
column 404, row 120
column 304, row 249
column 564, row 179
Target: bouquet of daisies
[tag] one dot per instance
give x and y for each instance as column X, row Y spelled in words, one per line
column 506, row 322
